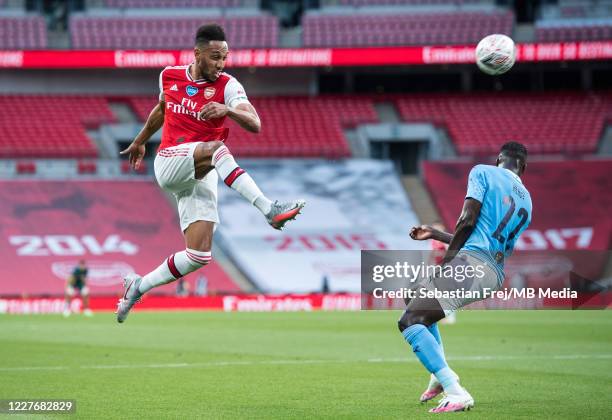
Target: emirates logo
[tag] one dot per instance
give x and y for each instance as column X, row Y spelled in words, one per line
column 209, row 92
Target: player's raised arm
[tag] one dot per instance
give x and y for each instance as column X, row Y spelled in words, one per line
column 246, row 116
column 425, row 232
column 237, row 107
column 136, row 149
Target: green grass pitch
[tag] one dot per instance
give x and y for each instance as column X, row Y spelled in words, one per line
column 185, row 365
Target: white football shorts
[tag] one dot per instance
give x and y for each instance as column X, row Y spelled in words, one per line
column 196, row 198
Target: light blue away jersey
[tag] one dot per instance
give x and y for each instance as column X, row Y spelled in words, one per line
column 504, row 215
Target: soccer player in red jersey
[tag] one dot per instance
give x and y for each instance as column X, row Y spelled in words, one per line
column 194, row 101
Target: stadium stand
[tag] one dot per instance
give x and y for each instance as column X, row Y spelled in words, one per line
column 58, row 131
column 293, row 126
column 546, row 123
column 565, row 194
column 128, row 4
column 168, row 32
column 22, row 32
column 60, row 222
column 408, row 2
column 346, row 202
column 574, row 30
column 403, row 28
column 313, row 127
column 575, row 20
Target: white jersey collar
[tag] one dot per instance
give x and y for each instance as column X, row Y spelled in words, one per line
column 188, row 73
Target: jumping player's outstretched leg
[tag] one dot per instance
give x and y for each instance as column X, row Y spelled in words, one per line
column 414, row 326
column 216, row 155
column 198, row 240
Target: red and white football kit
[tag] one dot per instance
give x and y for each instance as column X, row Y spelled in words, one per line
column 183, row 98
column 182, row 131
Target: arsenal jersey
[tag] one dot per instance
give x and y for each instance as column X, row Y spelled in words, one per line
column 184, row 97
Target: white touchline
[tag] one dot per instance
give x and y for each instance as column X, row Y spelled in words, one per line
column 307, row 362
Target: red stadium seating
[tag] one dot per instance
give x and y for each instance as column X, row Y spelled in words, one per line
column 546, row 123
column 171, row 3
column 569, row 123
column 172, row 32
column 408, row 2
column 22, row 32
column 574, row 33
column 117, row 226
column 566, row 194
column 50, row 126
column 403, row 28
column 298, row 126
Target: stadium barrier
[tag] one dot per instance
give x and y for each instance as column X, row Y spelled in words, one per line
column 301, row 57
column 281, row 303
column 226, row 303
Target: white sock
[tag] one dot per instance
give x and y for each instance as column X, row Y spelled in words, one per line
column 263, row 204
column 238, row 179
column 174, row 267
column 433, row 382
column 454, row 389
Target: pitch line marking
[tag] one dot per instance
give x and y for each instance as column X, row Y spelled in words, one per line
column 304, row 362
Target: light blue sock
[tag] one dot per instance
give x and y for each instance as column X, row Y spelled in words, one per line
column 433, row 329
column 425, row 347
column 429, row 352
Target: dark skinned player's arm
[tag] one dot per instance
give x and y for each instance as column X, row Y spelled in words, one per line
column 246, row 117
column 441, row 236
column 463, row 230
column 155, row 121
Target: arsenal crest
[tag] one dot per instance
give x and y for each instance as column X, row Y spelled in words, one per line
column 209, row 92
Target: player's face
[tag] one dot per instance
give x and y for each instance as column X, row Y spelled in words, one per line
column 211, row 59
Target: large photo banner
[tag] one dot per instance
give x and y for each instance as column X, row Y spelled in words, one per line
column 350, row 205
column 117, row 227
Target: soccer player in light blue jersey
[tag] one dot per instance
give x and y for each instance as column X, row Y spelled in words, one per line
column 496, row 210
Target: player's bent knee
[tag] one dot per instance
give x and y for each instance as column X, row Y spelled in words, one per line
column 401, row 325
column 410, row 318
column 404, row 322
